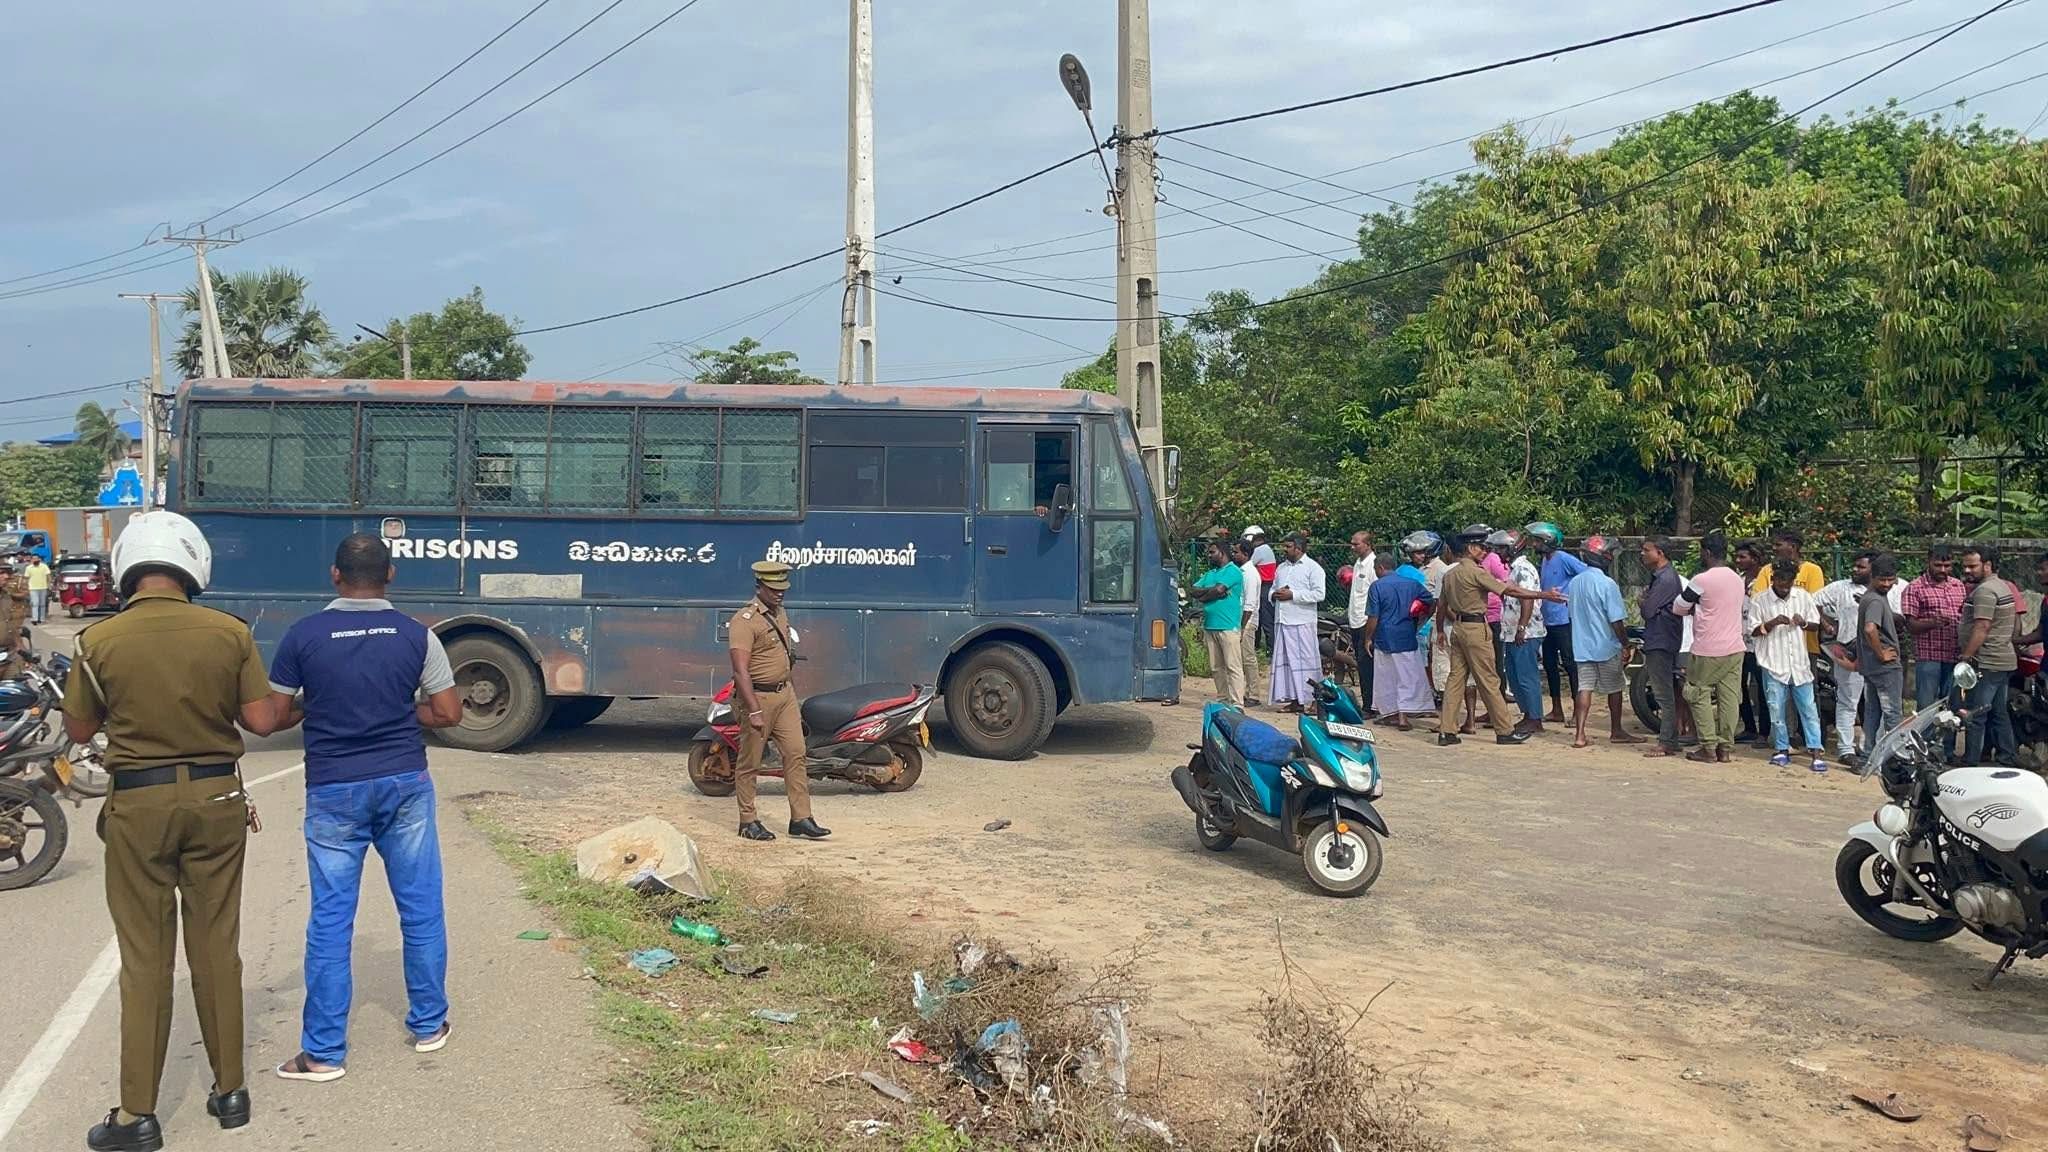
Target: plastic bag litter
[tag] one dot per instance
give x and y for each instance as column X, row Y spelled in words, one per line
column 655, row 961
column 923, row 998
column 774, row 1015
column 867, row 1127
column 1110, row 1056
column 1003, row 1042
column 888, row 1087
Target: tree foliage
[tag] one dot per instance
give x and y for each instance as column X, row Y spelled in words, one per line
column 745, row 363
column 100, row 434
column 269, row 326
column 463, row 341
column 36, row 477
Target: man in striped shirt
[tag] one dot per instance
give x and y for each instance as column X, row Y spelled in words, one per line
column 1780, row 618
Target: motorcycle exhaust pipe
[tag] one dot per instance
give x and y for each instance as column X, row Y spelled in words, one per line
column 1891, row 853
column 1184, row 783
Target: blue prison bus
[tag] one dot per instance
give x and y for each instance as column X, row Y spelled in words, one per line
column 573, row 543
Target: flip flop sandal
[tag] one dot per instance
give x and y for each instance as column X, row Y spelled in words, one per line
column 1985, row 1133
column 1890, row 1104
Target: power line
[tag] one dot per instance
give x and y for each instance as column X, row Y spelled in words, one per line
column 68, row 392
column 95, row 260
column 1974, row 71
column 1735, row 148
column 395, row 110
column 1461, row 73
column 464, row 107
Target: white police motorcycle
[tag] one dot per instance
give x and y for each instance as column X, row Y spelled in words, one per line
column 1953, row 848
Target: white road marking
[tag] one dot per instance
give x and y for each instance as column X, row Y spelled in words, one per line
column 70, row 1020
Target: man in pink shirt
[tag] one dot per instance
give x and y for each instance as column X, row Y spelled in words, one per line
column 1713, row 686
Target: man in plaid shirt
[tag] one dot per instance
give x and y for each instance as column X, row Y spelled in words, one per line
column 1933, row 607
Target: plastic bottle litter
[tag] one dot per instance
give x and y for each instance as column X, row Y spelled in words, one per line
column 691, row 929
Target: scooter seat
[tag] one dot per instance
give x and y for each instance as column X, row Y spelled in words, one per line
column 1259, row 741
column 828, row 713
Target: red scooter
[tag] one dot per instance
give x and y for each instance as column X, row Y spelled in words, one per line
column 872, row 734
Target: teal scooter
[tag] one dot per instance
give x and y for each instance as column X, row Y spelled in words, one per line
column 1312, row 796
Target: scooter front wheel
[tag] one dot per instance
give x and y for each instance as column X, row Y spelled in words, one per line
column 1342, row 862
column 711, row 767
column 1212, row 837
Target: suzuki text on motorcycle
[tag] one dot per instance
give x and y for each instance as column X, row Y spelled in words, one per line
column 1312, row 796
column 1953, row 848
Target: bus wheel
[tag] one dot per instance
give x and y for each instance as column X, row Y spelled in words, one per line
column 575, row 711
column 502, row 701
column 1000, row 702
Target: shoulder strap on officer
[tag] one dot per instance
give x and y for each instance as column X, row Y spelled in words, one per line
column 78, row 658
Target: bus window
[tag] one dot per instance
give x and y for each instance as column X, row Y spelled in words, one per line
column 1113, row 561
column 509, row 465
column 679, row 460
column 759, row 461
column 587, row 450
column 411, row 454
column 1112, row 485
column 286, row 455
column 899, row 462
column 1024, row 467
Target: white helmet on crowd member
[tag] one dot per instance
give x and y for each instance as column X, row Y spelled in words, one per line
column 162, row 542
column 1254, row 533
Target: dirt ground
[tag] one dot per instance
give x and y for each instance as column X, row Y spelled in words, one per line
column 1570, row 949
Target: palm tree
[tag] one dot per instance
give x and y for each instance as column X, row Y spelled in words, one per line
column 269, row 327
column 100, row 435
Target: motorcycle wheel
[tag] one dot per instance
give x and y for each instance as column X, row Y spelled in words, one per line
column 1211, row 837
column 1342, row 863
column 711, row 768
column 1643, row 701
column 1863, row 877
column 913, row 766
column 29, row 818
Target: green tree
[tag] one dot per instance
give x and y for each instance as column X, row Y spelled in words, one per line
column 269, row 326
column 36, row 477
column 1963, row 338
column 745, row 363
column 463, row 341
column 100, row 435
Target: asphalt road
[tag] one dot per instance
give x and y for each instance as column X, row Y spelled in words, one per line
column 520, row 1058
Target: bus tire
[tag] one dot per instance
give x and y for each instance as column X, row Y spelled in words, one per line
column 502, row 701
column 575, row 711
column 1000, row 701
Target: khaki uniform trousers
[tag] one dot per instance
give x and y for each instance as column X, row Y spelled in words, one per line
column 1248, row 654
column 1471, row 654
column 785, row 726
column 1226, row 664
column 177, row 847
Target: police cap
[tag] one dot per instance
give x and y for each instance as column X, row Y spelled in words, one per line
column 772, row 574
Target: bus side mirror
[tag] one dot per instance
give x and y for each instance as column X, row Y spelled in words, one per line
column 1172, row 470
column 1062, row 507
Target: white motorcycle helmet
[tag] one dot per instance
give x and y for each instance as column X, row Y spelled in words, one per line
column 162, row 541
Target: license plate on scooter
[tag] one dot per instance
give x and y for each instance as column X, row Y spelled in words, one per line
column 62, row 769
column 924, row 734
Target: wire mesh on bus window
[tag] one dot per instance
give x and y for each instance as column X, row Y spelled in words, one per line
column 588, row 450
column 509, row 457
column 409, row 456
column 272, row 455
column 759, row 461
column 679, row 461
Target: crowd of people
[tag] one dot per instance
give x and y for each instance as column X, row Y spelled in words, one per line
column 1733, row 653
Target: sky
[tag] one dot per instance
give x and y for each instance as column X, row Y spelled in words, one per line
column 714, row 148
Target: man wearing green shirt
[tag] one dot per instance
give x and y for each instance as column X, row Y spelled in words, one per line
column 1221, row 594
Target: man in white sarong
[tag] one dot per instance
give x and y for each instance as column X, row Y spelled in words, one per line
column 1298, row 587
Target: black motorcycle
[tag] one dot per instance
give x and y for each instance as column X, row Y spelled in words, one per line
column 1649, row 710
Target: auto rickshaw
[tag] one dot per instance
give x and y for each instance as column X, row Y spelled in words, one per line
column 85, row 583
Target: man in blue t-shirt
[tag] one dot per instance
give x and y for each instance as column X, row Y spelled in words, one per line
column 368, row 678
column 1400, row 672
column 1599, row 641
column 1221, row 594
column 1557, row 569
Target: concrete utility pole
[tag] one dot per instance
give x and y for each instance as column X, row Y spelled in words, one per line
column 150, row 422
column 857, row 307
column 213, row 348
column 403, row 340
column 1137, row 238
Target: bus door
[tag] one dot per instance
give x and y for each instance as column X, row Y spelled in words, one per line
column 1027, row 537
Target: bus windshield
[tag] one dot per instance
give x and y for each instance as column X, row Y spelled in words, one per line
column 576, row 542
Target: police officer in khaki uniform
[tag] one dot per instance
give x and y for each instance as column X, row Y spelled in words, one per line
column 13, row 614
column 760, row 645
column 1461, row 616
column 168, row 680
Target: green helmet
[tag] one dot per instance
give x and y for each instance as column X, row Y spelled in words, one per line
column 1549, row 533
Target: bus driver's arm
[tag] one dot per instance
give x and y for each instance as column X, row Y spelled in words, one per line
column 743, row 688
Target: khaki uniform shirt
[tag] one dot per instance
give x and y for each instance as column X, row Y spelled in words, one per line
column 167, row 679
column 1465, row 589
column 751, row 632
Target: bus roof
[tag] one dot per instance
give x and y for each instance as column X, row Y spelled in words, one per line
column 608, row 392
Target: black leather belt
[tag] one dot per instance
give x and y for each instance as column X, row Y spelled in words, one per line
column 778, row 686
column 1471, row 617
column 126, row 778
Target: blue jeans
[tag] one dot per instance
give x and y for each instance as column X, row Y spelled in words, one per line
column 1881, row 704
column 1990, row 706
column 343, row 821
column 1525, row 677
column 1775, row 691
column 1934, row 682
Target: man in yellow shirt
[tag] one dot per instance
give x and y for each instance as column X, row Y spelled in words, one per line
column 38, row 589
column 1786, row 547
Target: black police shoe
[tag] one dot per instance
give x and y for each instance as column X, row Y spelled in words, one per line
column 231, row 1108
column 143, row 1134
column 753, row 830
column 809, row 829
column 1517, row 737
